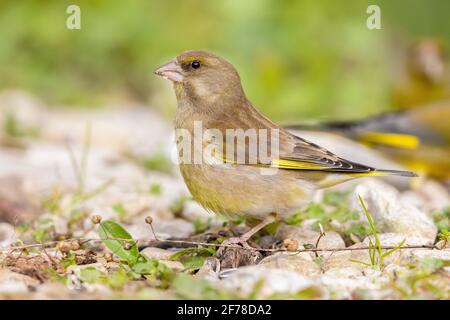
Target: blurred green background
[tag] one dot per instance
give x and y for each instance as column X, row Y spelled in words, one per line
column 297, row 59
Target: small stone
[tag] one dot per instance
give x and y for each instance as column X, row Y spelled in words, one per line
column 354, row 238
column 442, row 244
column 210, row 269
column 7, row 276
column 393, row 239
column 344, row 272
column 7, row 234
column 237, row 257
column 176, row 266
column 108, row 257
column 331, row 240
column 343, row 259
column 60, row 225
column 435, row 195
column 420, row 254
column 292, row 262
column 272, row 281
column 64, row 246
column 290, row 245
column 391, row 214
column 175, row 228
column 193, row 211
column 74, row 245
column 142, row 231
column 157, row 253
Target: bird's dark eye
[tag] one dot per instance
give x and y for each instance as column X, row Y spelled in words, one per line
column 195, row 64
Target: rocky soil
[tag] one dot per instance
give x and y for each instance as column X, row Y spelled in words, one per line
column 64, row 170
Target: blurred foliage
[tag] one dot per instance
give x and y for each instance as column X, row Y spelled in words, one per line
column 296, row 58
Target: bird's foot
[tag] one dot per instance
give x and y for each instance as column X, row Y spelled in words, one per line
column 235, row 241
column 242, row 240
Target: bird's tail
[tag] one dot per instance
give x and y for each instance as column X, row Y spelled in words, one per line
column 342, row 126
column 381, row 173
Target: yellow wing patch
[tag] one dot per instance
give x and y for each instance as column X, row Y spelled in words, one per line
column 404, row 141
column 293, row 164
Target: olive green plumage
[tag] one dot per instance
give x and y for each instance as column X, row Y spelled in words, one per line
column 208, row 89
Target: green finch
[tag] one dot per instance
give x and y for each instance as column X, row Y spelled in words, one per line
column 263, row 187
column 418, row 138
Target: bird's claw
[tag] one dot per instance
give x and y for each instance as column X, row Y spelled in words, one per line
column 233, row 241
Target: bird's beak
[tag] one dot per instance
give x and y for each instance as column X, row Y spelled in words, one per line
column 171, row 71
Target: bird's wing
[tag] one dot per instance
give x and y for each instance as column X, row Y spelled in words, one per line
column 299, row 154
column 296, row 153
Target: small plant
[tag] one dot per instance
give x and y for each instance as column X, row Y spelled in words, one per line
column 178, row 205
column 13, row 129
column 423, row 280
column 156, row 162
column 444, row 236
column 333, row 207
column 201, row 225
column 193, row 258
column 120, row 242
column 155, row 188
column 120, row 210
column 188, row 287
column 294, row 219
column 442, row 218
column 376, row 253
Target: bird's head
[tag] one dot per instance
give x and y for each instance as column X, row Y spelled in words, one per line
column 201, row 75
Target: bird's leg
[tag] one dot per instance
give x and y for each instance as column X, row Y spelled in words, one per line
column 246, row 236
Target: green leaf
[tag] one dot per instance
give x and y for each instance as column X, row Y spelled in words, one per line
column 193, row 262
column 294, row 219
column 111, row 230
column 444, row 235
column 442, row 218
column 335, row 198
column 153, row 268
column 157, row 162
column 398, row 246
column 149, row 266
column 90, row 275
column 155, row 188
column 193, row 258
column 431, row 265
column 118, row 279
column 361, row 262
column 201, row 225
column 69, row 260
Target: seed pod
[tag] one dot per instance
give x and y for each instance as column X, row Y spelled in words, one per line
column 442, row 244
column 290, row 244
column 127, row 245
column 96, row 219
column 64, row 246
column 74, row 245
column 148, row 220
column 108, row 256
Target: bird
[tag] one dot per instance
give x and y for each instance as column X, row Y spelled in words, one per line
column 418, row 138
column 422, row 76
column 208, row 90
